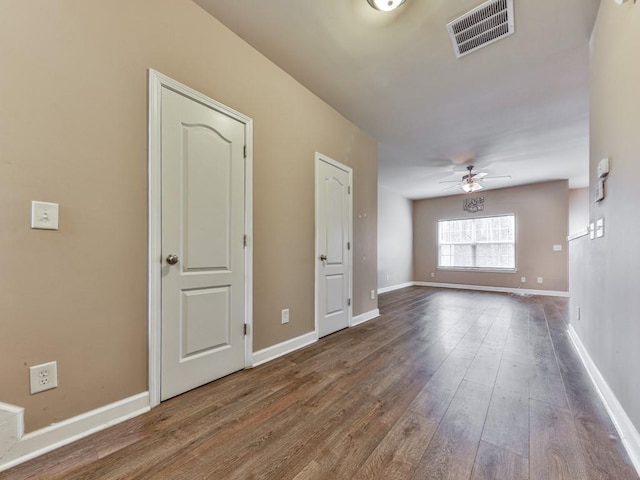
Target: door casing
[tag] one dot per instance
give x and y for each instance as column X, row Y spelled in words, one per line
column 323, row 158
column 156, row 82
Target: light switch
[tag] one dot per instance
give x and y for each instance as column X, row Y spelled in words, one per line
column 44, row 215
column 557, row 248
column 600, row 228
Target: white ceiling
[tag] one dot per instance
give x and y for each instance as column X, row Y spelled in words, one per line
column 518, row 107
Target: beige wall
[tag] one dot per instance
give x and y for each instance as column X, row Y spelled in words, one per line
column 73, row 125
column 604, row 272
column 541, row 221
column 395, row 238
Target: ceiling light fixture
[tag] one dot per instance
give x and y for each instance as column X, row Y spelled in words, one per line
column 385, row 5
column 471, row 186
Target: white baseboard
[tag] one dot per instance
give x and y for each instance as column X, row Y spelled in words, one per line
column 364, row 317
column 275, row 351
column 517, row 291
column 395, row 287
column 627, row 431
column 11, row 427
column 57, row 435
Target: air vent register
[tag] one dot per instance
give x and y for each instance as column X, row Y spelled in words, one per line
column 481, row 26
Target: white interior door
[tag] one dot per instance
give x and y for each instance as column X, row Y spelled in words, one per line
column 333, row 244
column 203, row 269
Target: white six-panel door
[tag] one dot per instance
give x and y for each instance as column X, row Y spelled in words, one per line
column 203, row 264
column 333, row 239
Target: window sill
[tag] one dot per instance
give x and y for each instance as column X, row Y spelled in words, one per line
column 478, row 269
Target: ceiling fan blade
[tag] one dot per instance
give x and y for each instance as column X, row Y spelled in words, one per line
column 496, row 177
column 452, row 186
column 480, row 175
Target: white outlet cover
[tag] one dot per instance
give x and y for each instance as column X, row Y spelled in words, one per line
column 44, row 215
column 43, row 377
column 557, row 248
column 539, row 279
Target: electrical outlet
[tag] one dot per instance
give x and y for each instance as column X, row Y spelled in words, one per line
column 373, row 294
column 285, row 316
column 523, row 279
column 539, row 280
column 433, row 274
column 388, row 278
column 43, row 377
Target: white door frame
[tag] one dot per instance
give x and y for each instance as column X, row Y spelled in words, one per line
column 156, row 82
column 323, row 158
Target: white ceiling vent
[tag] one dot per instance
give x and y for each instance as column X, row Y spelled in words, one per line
column 483, row 25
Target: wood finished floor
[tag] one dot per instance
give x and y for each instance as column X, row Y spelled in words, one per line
column 445, row 384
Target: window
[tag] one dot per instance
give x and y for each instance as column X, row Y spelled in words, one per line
column 487, row 243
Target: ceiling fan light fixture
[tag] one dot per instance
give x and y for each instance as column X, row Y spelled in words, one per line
column 471, row 187
column 385, row 5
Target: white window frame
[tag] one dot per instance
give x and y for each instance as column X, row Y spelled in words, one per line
column 474, row 243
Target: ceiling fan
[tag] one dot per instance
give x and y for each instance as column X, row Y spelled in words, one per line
column 471, row 181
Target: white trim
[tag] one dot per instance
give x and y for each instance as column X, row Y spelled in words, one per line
column 395, row 287
column 275, row 351
column 11, row 427
column 18, row 417
column 248, row 251
column 365, row 317
column 627, row 431
column 478, row 269
column 518, row 291
column 59, row 434
column 155, row 233
column 156, row 82
column 323, row 158
column 581, row 233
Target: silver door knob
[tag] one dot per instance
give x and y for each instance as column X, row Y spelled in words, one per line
column 172, row 259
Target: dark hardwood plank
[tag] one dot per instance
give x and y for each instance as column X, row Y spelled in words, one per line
column 507, row 422
column 444, row 384
column 495, row 463
column 452, row 450
column 555, row 450
column 397, row 456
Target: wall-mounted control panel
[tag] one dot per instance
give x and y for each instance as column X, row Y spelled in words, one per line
column 603, row 168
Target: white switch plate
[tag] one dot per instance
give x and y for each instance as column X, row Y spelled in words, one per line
column 600, row 228
column 44, row 215
column 285, row 316
column 557, row 248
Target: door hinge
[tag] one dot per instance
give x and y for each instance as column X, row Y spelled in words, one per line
column 244, row 151
column 244, row 240
column 349, row 190
column 348, row 302
column 246, row 329
column 348, row 245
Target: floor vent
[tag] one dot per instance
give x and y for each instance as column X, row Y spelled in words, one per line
column 481, row 26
